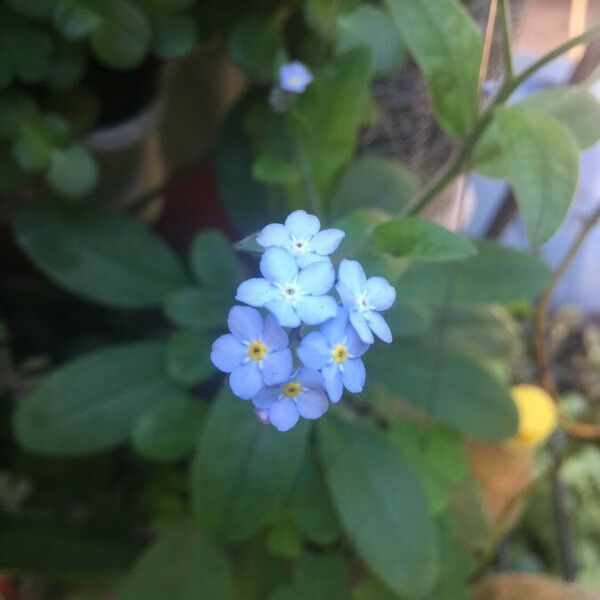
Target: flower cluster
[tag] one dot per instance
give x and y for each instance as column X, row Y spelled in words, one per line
column 297, row 278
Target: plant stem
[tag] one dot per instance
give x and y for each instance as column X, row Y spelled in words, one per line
column 506, row 25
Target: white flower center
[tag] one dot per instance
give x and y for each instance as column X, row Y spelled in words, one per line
column 363, row 304
column 290, row 292
column 299, row 246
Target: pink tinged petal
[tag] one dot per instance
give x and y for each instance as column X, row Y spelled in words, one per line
column 333, row 382
column 314, row 310
column 246, row 323
column 266, row 397
column 356, row 347
column 284, row 313
column 246, row 381
column 256, row 292
column 335, row 329
column 283, row 414
column 380, row 328
column 381, row 294
column 277, row 366
column 312, row 404
column 278, row 265
column 274, row 234
column 317, row 279
column 314, row 351
column 346, row 295
column 361, row 327
column 228, row 353
column 309, row 378
column 302, row 225
column 273, row 335
column 354, row 375
column 327, row 241
column 352, row 275
column 262, row 415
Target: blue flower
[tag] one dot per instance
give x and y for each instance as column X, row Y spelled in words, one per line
column 335, row 351
column 294, row 77
column 301, row 236
column 362, row 297
column 255, row 353
column 294, row 296
column 303, row 395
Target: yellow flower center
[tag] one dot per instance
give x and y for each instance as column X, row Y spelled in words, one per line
column 257, row 350
column 292, row 389
column 340, row 353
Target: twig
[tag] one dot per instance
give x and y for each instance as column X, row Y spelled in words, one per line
column 506, row 25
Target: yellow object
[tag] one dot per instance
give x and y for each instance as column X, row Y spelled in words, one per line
column 292, row 389
column 537, row 415
column 257, row 350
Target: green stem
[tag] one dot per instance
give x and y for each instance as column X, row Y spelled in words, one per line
column 457, row 165
column 506, row 25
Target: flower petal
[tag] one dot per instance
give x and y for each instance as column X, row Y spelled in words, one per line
column 380, row 293
column 314, row 310
column 277, row 366
column 246, row 381
column 309, row 378
column 335, row 329
column 302, row 225
column 284, row 313
column 312, row 404
column 273, row 335
column 278, row 265
column 314, row 351
column 356, row 347
column 317, row 279
column 352, row 275
column 354, row 375
column 361, row 327
column 327, row 241
column 380, row 328
column 309, row 258
column 227, row 353
column 266, row 397
column 256, row 292
column 245, row 322
column 346, row 295
column 333, row 382
column 274, row 234
column 284, row 414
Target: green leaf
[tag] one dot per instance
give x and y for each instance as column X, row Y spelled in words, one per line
column 180, row 565
column 197, row 308
column 448, row 388
column 375, row 183
column 91, row 404
column 104, row 256
column 447, row 46
column 173, row 34
column 419, row 239
column 541, row 159
column 496, row 275
column 255, row 46
column 275, row 170
column 168, row 430
column 381, row 504
column 188, row 357
column 243, row 470
column 371, row 589
column 75, row 19
column 68, row 66
column 36, row 9
column 371, row 27
column 283, row 539
column 72, row 171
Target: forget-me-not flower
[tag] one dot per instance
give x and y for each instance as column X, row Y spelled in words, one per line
column 255, row 353
column 294, row 296
column 303, row 395
column 335, row 351
column 301, row 235
column 363, row 298
column 294, row 77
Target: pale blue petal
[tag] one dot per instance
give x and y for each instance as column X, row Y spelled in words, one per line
column 354, row 375
column 312, row 404
column 335, row 329
column 346, row 295
column 274, row 337
column 361, row 327
column 266, row 397
column 284, row 313
column 314, row 351
column 379, row 326
column 309, row 378
column 333, row 382
column 278, row 265
column 274, row 234
column 246, row 323
column 284, row 414
column 380, row 293
column 228, row 353
column 246, row 381
column 294, row 77
column 277, row 366
column 356, row 347
column 302, row 225
column 314, row 310
column 256, row 292
column 309, row 258
column 352, row 275
column 327, row 241
column 317, row 279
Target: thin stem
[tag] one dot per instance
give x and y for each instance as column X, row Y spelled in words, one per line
column 506, row 25
column 488, row 40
